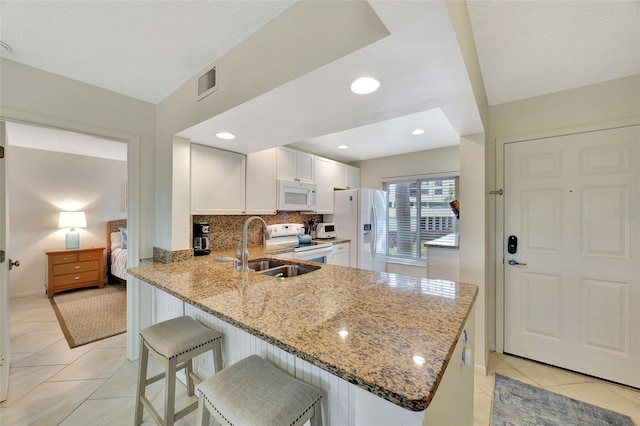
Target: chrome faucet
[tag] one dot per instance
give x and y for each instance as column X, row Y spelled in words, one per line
column 243, row 256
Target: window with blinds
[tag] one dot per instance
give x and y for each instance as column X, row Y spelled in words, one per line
column 419, row 212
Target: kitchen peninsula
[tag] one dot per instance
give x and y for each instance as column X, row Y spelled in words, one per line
column 385, row 348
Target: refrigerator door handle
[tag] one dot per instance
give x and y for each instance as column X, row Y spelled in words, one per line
column 375, row 231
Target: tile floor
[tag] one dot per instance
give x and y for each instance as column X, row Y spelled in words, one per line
column 94, row 384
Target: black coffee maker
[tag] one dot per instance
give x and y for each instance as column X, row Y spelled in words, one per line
column 201, row 239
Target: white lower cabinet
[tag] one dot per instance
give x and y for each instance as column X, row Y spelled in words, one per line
column 340, row 255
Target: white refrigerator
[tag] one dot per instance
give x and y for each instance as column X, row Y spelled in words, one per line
column 361, row 216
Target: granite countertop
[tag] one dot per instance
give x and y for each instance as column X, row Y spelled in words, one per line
column 364, row 327
column 332, row 240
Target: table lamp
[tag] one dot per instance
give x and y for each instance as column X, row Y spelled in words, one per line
column 72, row 220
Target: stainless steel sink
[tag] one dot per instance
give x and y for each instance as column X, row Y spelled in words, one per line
column 280, row 268
column 262, row 264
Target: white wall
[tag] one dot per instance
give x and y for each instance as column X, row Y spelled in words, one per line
column 41, row 183
column 300, row 40
column 576, row 108
column 35, row 96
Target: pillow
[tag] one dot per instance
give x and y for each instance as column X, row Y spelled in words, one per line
column 116, row 240
column 123, row 231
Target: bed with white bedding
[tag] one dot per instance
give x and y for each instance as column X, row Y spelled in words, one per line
column 117, row 250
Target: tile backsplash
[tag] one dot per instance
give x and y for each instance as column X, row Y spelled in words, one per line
column 226, row 231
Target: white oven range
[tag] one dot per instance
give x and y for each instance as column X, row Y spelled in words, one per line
column 288, row 235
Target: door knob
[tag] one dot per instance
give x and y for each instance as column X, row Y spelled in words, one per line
column 514, row 262
column 12, row 264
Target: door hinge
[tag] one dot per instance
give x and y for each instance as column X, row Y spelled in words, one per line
column 2, row 256
column 1, row 152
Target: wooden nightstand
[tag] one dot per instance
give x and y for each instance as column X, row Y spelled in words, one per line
column 74, row 268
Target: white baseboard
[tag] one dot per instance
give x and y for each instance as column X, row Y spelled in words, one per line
column 480, row 369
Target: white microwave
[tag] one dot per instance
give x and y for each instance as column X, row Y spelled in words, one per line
column 297, row 196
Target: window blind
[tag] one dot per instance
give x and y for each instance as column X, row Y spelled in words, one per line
column 419, row 212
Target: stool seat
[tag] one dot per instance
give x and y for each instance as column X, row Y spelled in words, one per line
column 254, row 392
column 178, row 336
column 174, row 343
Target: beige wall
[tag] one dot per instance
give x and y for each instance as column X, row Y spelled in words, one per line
column 473, row 236
column 39, row 184
column 441, row 160
column 552, row 114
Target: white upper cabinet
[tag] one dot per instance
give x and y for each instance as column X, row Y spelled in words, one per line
column 340, row 176
column 332, row 175
column 262, row 183
column 326, row 171
column 353, row 177
column 295, row 165
column 347, row 177
column 217, row 181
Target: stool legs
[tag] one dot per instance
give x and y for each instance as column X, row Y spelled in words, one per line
column 316, row 419
column 170, row 392
column 189, row 373
column 142, row 382
column 203, row 412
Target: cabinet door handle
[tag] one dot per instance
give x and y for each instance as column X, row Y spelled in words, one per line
column 76, row 267
column 76, row 278
column 65, row 258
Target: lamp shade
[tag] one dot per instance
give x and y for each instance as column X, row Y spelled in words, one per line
column 72, row 220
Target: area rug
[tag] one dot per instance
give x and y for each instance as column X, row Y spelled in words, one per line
column 517, row 403
column 88, row 315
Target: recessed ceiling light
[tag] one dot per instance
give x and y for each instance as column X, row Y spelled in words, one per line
column 225, row 135
column 343, row 147
column 365, row 85
column 417, row 132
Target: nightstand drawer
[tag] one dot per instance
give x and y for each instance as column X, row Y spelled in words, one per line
column 65, row 258
column 89, row 255
column 72, row 268
column 79, row 278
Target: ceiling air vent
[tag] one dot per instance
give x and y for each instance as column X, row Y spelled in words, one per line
column 207, row 83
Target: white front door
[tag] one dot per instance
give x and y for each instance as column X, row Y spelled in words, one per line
column 573, row 203
column 4, row 270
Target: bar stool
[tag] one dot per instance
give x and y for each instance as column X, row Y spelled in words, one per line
column 252, row 392
column 174, row 343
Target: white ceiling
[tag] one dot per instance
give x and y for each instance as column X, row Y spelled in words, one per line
column 143, row 49
column 531, row 48
column 148, row 49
